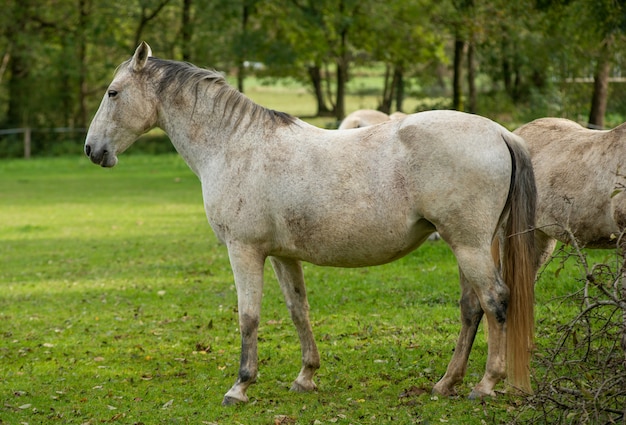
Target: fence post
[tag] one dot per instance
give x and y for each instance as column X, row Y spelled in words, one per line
column 27, row 143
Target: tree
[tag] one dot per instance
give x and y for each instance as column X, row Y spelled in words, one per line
column 462, row 29
column 323, row 35
column 17, row 32
column 186, row 30
column 593, row 31
column 147, row 13
column 609, row 22
column 600, row 93
column 412, row 50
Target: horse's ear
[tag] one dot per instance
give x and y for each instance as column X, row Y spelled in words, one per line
column 141, row 56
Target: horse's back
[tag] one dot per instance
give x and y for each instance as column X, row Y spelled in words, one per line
column 577, row 173
column 462, row 133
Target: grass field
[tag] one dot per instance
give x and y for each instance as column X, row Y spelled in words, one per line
column 296, row 99
column 117, row 306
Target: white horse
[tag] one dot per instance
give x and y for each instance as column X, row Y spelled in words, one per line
column 363, row 118
column 275, row 186
column 366, row 117
column 581, row 183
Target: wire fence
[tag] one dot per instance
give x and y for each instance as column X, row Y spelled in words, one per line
column 27, row 134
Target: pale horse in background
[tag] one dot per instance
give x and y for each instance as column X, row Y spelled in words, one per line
column 363, row 118
column 277, row 188
column 581, row 186
column 366, row 117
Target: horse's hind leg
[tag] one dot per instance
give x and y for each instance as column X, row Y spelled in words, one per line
column 471, row 314
column 291, row 279
column 492, row 295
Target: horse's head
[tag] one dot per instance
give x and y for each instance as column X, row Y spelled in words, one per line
column 127, row 110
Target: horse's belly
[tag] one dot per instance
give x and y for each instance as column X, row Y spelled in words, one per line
column 592, row 231
column 595, row 215
column 355, row 247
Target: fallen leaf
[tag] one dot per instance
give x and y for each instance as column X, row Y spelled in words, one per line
column 284, row 420
column 413, row 392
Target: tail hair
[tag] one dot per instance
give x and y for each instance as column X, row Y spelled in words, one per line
column 518, row 265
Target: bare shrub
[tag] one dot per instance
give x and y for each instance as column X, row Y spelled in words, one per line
column 580, row 375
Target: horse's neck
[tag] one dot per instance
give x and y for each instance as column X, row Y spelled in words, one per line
column 202, row 131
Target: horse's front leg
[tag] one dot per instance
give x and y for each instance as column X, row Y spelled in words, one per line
column 291, row 279
column 247, row 265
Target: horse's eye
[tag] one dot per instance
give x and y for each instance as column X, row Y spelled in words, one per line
column 112, row 93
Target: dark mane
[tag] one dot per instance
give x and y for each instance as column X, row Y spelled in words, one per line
column 173, row 76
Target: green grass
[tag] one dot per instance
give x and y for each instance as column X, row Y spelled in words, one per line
column 117, row 305
column 296, row 99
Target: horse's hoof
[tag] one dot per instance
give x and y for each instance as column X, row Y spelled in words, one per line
column 231, row 401
column 299, row 388
column 448, row 392
column 478, row 395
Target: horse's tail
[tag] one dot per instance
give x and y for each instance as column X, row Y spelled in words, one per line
column 517, row 263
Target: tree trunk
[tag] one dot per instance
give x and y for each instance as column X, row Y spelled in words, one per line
column 506, row 63
column 385, row 104
column 340, row 107
column 83, row 13
column 315, row 74
column 471, row 78
column 342, row 76
column 394, row 90
column 600, row 94
column 457, row 95
column 399, row 79
column 186, row 30
column 241, row 69
column 18, row 93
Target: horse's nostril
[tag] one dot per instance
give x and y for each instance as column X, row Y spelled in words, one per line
column 87, row 150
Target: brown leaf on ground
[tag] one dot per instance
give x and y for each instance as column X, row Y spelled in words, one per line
column 413, row 392
column 284, row 420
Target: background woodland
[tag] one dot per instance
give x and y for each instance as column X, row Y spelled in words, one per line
column 510, row 61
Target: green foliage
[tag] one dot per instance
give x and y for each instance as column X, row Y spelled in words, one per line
column 57, row 57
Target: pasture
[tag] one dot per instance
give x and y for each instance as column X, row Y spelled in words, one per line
column 117, row 305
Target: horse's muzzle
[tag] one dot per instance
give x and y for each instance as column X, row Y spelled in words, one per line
column 102, row 157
